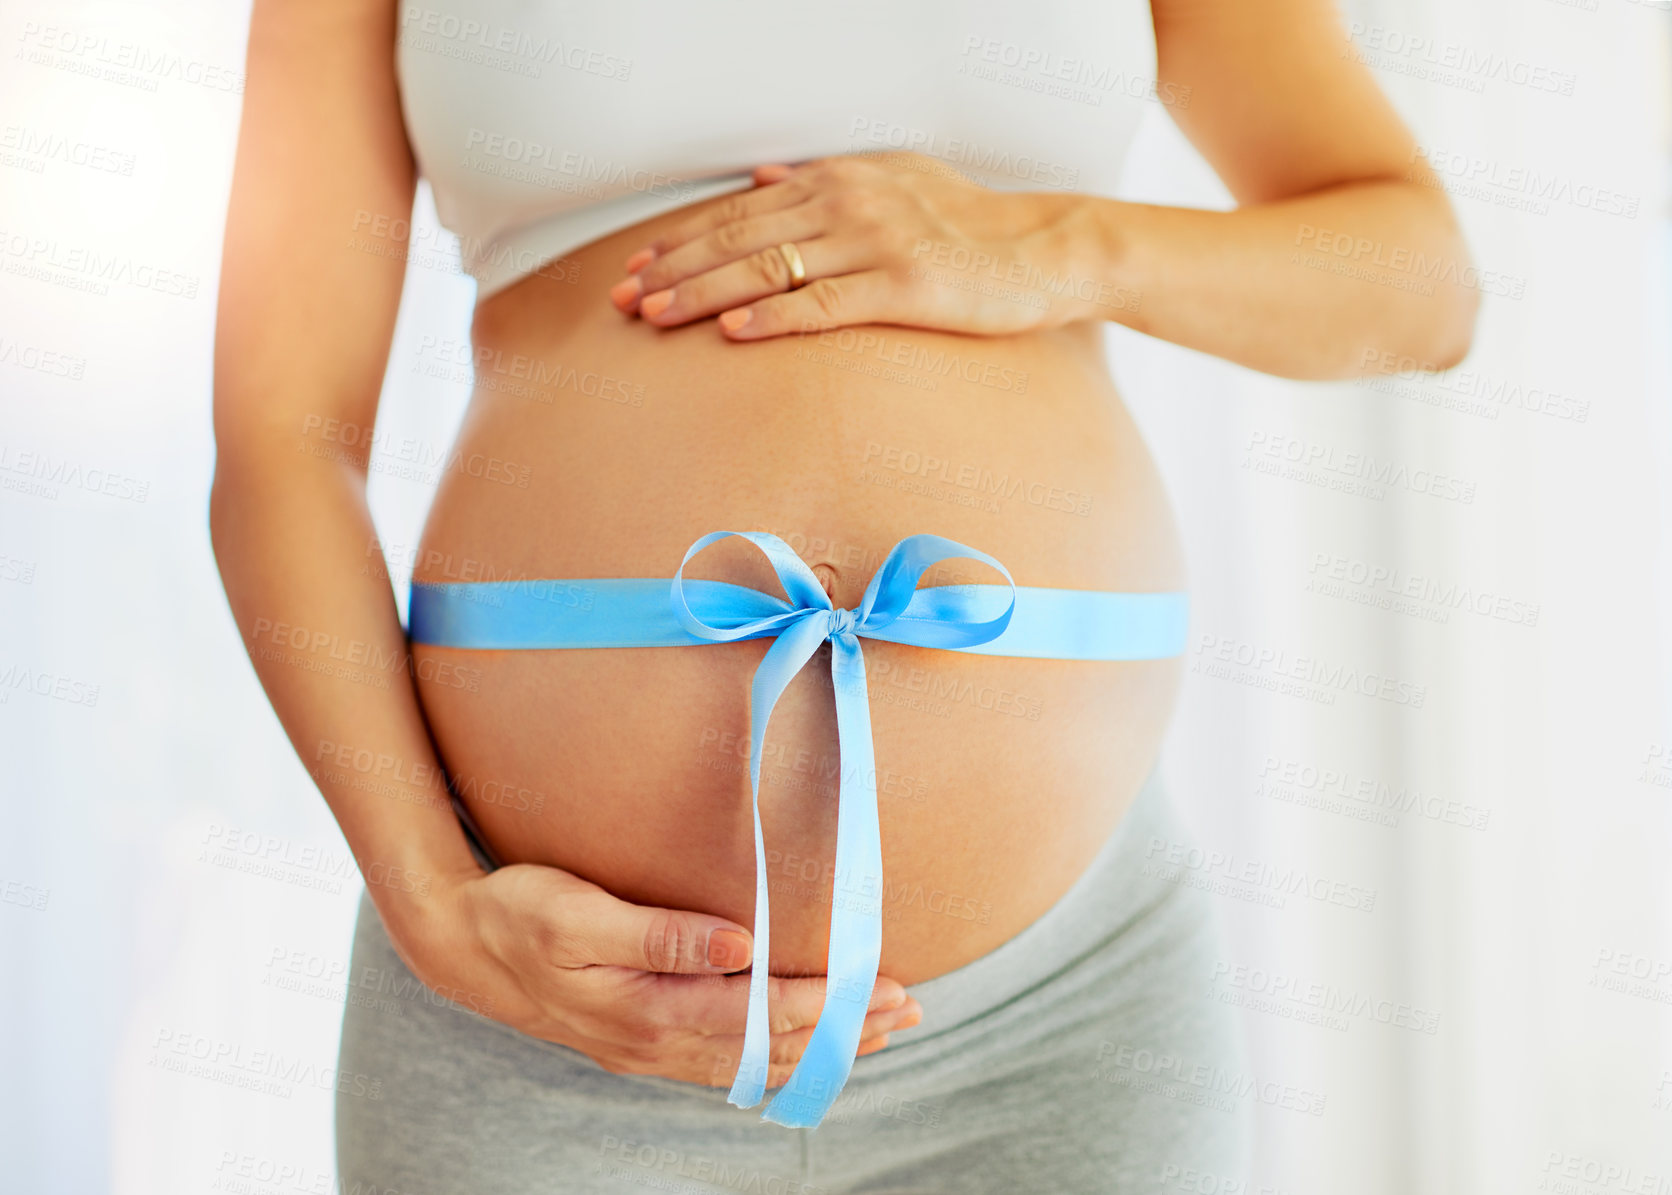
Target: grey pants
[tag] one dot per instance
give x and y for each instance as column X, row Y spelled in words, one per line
column 1085, row 1054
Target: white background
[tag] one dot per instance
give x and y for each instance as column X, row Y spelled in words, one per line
column 1546, row 1070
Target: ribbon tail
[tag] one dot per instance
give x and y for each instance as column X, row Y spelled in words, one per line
column 788, row 653
column 855, row 908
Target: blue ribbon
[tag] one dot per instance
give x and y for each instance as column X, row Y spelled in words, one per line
column 808, row 620
column 990, row 619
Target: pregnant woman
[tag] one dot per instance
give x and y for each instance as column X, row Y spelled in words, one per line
column 857, row 804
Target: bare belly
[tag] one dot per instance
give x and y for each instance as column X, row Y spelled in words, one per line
column 606, row 446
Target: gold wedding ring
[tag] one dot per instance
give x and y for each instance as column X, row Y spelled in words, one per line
column 792, row 259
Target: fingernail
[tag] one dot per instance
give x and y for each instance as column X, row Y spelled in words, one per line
column 640, row 260
column 727, row 949
column 734, row 319
column 912, row 1018
column 625, row 291
column 653, row 305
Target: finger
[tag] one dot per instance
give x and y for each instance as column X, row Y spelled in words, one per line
column 798, row 1003
column 718, row 1005
column 758, row 276
column 787, row 1048
column 599, row 930
column 865, row 297
column 881, row 1024
column 726, row 244
column 738, row 206
column 715, row 1062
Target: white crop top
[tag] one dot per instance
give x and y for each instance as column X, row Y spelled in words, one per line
column 543, row 125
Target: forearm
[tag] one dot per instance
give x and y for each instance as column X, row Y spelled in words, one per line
column 1330, row 284
column 291, row 535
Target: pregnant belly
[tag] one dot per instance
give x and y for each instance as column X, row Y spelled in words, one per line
column 611, row 446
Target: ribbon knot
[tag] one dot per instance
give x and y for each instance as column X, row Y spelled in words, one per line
column 843, row 622
column 797, row 627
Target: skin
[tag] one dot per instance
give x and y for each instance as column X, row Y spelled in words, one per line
column 1299, row 133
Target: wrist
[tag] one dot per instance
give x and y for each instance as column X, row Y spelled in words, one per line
column 424, row 921
column 414, row 884
column 1094, row 249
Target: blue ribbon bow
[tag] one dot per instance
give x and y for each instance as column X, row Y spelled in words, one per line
column 808, row 619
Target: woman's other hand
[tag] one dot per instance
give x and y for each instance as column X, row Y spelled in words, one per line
column 638, row 990
column 897, row 238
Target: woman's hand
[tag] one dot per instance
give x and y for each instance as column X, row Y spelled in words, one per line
column 893, row 239
column 638, row 990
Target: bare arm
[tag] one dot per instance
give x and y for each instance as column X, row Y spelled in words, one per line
column 1344, row 250
column 302, row 338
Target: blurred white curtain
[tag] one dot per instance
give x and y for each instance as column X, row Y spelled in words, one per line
column 175, row 901
column 1431, row 663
